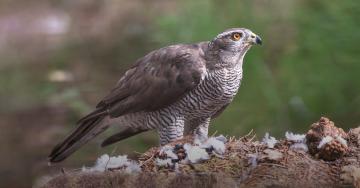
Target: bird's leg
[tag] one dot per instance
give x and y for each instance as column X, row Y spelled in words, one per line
column 173, row 130
column 201, row 132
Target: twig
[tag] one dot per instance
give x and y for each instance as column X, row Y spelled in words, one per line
column 273, row 164
column 112, row 152
column 248, row 134
column 214, row 134
column 147, row 160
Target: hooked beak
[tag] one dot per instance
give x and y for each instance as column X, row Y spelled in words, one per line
column 258, row 40
column 255, row 39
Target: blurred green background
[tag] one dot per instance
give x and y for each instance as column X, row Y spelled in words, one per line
column 59, row 57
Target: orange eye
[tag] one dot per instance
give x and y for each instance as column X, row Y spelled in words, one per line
column 236, row 36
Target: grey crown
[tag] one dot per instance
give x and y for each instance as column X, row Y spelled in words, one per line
column 176, row 90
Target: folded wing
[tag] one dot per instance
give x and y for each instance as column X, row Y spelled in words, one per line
column 155, row 81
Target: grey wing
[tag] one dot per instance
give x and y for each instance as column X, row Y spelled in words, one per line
column 155, row 81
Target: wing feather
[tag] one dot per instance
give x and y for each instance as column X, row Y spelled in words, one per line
column 157, row 80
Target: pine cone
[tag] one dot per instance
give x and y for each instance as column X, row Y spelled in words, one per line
column 332, row 150
column 321, row 129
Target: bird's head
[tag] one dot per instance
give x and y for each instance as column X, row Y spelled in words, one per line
column 236, row 39
column 232, row 44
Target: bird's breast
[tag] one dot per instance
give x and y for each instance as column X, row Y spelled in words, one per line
column 227, row 83
column 217, row 89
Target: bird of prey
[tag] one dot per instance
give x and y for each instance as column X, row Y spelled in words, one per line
column 176, row 90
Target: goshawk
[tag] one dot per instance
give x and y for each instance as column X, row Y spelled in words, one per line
column 176, row 90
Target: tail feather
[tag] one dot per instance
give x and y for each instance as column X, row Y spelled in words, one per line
column 88, row 127
column 94, row 114
column 123, row 134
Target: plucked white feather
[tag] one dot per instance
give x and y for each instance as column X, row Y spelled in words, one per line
column 217, row 145
column 341, row 140
column 163, row 162
column 269, row 141
column 106, row 162
column 196, row 154
column 168, row 151
column 324, row 141
column 299, row 147
column 299, row 138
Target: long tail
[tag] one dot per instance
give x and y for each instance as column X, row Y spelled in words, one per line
column 123, row 134
column 88, row 127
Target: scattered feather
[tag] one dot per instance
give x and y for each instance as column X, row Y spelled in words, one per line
column 253, row 158
column 269, row 140
column 163, row 162
column 106, row 162
column 217, row 146
column 341, row 140
column 299, row 138
column 221, row 138
column 273, row 155
column 133, row 167
column 195, row 154
column 197, row 140
column 324, row 141
column 187, row 147
column 168, row 151
column 299, row 147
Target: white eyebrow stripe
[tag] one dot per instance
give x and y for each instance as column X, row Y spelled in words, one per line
column 229, row 32
column 224, row 34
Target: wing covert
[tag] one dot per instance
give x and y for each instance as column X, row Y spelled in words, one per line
column 156, row 80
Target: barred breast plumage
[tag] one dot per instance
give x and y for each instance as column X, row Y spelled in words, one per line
column 216, row 90
column 176, row 90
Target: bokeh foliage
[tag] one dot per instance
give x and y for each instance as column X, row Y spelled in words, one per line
column 308, row 66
